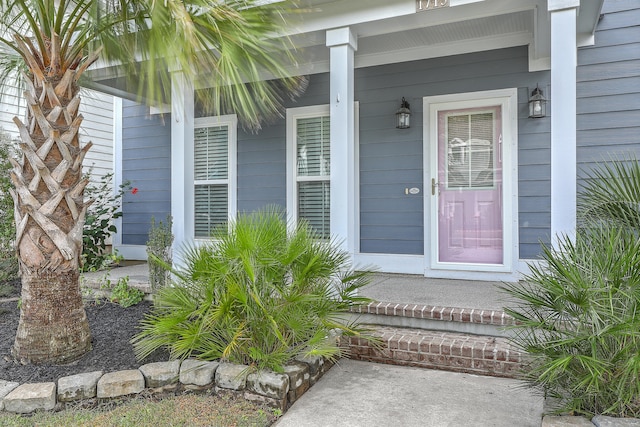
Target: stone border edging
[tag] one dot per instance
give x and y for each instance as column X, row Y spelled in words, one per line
column 597, row 421
column 266, row 387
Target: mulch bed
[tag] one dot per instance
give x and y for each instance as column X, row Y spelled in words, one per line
column 112, row 326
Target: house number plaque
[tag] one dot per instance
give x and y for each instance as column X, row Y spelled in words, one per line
column 423, row 5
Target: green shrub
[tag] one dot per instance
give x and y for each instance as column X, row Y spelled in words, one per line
column 579, row 320
column 159, row 252
column 257, row 295
column 98, row 224
column 125, row 295
column 611, row 194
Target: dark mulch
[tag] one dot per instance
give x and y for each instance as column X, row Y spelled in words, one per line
column 112, row 326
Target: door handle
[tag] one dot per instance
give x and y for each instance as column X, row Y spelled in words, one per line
column 434, row 185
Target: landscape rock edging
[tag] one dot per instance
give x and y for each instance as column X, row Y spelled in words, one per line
column 277, row 390
column 597, row 421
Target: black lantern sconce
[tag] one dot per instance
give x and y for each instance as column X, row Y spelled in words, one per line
column 537, row 104
column 403, row 115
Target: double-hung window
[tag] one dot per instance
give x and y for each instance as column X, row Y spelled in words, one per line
column 309, row 159
column 214, row 164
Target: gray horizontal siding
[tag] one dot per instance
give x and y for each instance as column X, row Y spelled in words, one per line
column 262, row 156
column 391, row 159
column 608, row 120
column 146, row 152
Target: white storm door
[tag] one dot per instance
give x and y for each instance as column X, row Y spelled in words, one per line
column 470, row 194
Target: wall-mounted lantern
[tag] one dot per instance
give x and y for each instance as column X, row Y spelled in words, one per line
column 403, row 115
column 537, row 104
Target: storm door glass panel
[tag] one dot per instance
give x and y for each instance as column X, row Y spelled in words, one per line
column 470, row 151
column 470, row 211
column 211, row 173
column 313, row 160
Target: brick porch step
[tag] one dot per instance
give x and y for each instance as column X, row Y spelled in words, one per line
column 477, row 354
column 453, row 319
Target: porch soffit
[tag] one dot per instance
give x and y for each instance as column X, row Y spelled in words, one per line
column 391, row 31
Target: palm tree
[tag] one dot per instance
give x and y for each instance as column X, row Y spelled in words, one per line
column 48, row 45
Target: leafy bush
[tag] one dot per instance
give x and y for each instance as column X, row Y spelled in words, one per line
column 258, row 295
column 98, row 225
column 579, row 311
column 159, row 252
column 8, row 259
column 124, row 294
column 611, row 194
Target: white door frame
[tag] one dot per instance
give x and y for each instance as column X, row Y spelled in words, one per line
column 508, row 100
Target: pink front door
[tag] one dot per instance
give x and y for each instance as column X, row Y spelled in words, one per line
column 469, row 186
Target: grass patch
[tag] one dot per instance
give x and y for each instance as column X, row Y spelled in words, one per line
column 186, row 410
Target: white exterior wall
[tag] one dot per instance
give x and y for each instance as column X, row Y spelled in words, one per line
column 97, row 127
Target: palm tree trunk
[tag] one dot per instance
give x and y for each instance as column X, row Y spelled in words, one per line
column 49, row 214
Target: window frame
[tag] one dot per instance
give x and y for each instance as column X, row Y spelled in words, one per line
column 231, row 121
column 293, row 115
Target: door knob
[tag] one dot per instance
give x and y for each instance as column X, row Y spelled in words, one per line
column 434, row 185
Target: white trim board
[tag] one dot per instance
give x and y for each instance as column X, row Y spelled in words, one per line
column 132, row 252
column 415, row 264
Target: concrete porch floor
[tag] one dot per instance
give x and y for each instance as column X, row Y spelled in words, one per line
column 397, row 288
column 414, row 289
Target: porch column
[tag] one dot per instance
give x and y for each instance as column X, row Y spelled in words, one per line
column 342, row 43
column 563, row 116
column 182, row 112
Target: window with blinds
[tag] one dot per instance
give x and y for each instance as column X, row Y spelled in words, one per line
column 211, row 178
column 312, row 136
column 470, row 150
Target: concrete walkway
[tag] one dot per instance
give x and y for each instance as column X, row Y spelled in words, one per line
column 355, row 394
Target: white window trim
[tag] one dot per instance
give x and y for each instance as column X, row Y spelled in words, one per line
column 508, row 100
column 294, row 114
column 231, row 121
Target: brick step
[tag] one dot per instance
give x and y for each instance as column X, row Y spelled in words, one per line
column 477, row 354
column 437, row 318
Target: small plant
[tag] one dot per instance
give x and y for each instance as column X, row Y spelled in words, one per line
column 98, row 226
column 124, row 294
column 159, row 252
column 259, row 294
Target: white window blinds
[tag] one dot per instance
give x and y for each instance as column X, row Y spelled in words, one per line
column 470, row 150
column 211, row 174
column 313, row 160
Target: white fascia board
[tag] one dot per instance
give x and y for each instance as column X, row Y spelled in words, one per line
column 348, row 13
column 369, row 19
column 455, row 3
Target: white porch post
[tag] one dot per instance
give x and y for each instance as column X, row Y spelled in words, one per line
column 182, row 112
column 342, row 43
column 563, row 116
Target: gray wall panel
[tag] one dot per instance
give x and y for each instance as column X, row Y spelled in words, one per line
column 146, row 151
column 262, row 177
column 391, row 159
column 608, row 91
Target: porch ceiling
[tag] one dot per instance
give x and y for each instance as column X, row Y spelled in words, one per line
column 390, row 31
